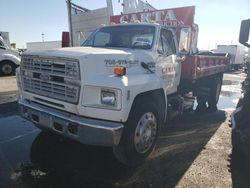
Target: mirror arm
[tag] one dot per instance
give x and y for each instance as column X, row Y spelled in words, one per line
column 180, row 57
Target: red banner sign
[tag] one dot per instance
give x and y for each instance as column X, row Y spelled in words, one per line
column 169, row 17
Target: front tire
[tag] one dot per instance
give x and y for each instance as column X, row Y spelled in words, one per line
column 7, row 68
column 140, row 133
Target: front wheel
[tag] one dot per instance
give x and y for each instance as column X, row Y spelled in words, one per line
column 7, row 68
column 140, row 133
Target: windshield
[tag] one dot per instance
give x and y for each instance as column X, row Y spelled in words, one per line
column 2, row 43
column 123, row 37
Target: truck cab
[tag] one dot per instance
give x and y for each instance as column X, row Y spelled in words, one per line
column 152, row 48
column 118, row 69
column 9, row 59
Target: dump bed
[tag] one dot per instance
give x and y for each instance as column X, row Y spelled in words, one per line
column 197, row 66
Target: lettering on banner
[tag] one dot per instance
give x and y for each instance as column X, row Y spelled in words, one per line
column 168, row 17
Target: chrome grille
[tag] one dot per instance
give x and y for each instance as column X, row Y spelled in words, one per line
column 51, row 65
column 55, row 78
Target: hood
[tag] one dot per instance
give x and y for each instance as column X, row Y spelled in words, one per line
column 77, row 52
column 100, row 61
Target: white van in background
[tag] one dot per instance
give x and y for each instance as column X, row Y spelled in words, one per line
column 236, row 53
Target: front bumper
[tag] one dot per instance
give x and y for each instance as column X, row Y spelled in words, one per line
column 84, row 130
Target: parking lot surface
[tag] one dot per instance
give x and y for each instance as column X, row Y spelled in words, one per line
column 192, row 151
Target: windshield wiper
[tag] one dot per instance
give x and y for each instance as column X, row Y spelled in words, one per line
column 114, row 45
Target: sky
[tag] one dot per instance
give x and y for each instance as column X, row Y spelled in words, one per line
column 26, row 20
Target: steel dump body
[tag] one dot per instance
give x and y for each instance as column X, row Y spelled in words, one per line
column 195, row 67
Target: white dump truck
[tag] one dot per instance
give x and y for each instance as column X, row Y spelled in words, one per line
column 9, row 58
column 123, row 83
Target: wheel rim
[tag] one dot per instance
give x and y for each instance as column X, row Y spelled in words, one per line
column 145, row 132
column 6, row 69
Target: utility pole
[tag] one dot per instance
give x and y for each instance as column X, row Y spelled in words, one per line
column 70, row 23
column 43, row 37
column 110, row 7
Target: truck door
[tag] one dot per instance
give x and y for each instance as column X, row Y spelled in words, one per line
column 168, row 68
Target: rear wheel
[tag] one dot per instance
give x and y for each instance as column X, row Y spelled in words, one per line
column 202, row 106
column 214, row 94
column 140, row 133
column 7, row 68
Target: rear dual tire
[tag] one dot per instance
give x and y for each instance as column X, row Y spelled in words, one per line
column 214, row 94
column 214, row 84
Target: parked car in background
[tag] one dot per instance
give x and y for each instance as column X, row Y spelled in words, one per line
column 9, row 58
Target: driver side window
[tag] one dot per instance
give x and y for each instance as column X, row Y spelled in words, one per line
column 166, row 44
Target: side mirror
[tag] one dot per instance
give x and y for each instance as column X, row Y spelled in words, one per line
column 185, row 41
column 244, row 33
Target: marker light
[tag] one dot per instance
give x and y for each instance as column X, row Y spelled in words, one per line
column 119, row 70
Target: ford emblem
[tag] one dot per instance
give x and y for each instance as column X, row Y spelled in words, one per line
column 44, row 77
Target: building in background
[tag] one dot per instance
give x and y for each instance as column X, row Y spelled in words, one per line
column 83, row 22
column 47, row 45
column 130, row 6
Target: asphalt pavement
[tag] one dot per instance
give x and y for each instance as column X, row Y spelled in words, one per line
column 193, row 151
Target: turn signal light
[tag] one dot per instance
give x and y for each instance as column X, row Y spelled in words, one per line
column 119, row 70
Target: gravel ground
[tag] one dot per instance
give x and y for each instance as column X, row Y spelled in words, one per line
column 8, row 90
column 211, row 167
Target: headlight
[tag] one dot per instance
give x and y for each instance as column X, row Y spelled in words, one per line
column 108, row 98
column 102, row 97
